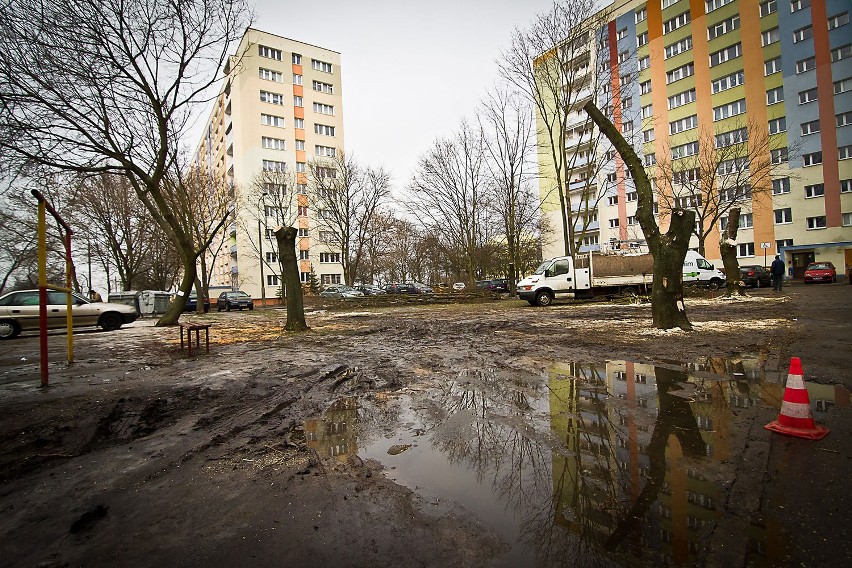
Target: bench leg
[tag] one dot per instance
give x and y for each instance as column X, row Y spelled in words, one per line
column 207, row 338
column 181, row 339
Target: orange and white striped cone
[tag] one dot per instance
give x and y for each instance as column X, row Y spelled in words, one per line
column 796, row 418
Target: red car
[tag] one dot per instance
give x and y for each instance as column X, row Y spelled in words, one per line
column 820, row 272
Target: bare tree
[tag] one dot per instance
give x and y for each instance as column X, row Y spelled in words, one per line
column 347, row 197
column 552, row 63
column 286, row 237
column 449, row 194
column 728, row 248
column 114, row 90
column 509, row 125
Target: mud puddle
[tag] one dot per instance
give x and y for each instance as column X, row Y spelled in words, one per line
column 612, row 463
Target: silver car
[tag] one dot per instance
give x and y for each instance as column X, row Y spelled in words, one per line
column 341, row 292
column 19, row 311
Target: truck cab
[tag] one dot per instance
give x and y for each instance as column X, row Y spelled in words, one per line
column 698, row 269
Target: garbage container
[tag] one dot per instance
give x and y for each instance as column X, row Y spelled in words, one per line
column 129, row 297
column 153, row 302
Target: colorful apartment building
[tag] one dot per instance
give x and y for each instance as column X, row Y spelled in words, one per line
column 676, row 68
column 281, row 106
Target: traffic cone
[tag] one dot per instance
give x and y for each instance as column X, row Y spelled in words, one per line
column 795, row 418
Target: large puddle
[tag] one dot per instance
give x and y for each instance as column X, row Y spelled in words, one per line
column 604, row 464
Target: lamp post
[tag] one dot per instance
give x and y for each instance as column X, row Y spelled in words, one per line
column 261, row 210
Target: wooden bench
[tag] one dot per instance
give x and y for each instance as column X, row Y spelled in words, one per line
column 196, row 327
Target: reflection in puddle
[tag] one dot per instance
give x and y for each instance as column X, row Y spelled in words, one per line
column 615, row 463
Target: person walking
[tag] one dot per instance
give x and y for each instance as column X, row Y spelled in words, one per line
column 777, row 270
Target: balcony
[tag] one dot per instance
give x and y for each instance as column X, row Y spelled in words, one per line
column 581, row 184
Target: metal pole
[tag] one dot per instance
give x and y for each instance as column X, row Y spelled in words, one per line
column 42, row 291
column 260, row 258
column 69, row 317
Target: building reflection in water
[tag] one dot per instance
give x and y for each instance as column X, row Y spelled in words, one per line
column 333, row 435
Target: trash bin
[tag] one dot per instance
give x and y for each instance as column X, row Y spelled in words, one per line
column 153, row 302
column 129, row 297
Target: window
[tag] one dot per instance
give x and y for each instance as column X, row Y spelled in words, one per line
column 778, row 156
column 796, row 5
column 325, row 151
column 844, row 152
column 683, row 124
column 768, row 8
column 299, row 123
column 843, row 119
column 272, row 120
column 323, row 109
column 641, row 15
column 783, row 243
column 644, row 62
column 680, row 72
column 327, row 236
column 716, row 4
column 318, row 65
column 611, row 177
column 304, row 277
column 728, row 82
column 769, row 37
column 811, row 159
column 684, row 150
column 811, row 127
column 298, row 101
column 667, row 3
column 647, row 111
column 783, row 216
column 780, row 186
column 686, row 176
column 612, row 200
column 627, row 126
column 632, row 196
column 303, row 232
column 838, row 20
column 681, row 99
column 304, row 255
column 641, row 39
column 274, row 98
column 590, row 241
column 777, row 125
column 805, row 65
column 688, row 201
column 745, row 249
column 847, row 219
column 815, row 190
column 321, row 87
column 326, row 257
column 271, row 257
column 726, row 54
column 330, row 279
column 303, row 211
column 648, row 135
column 323, row 129
column 808, row 96
column 728, row 110
column 272, row 280
column 723, row 27
column 301, row 167
column 326, row 173
column 841, row 53
column 678, row 21
column 297, row 59
column 739, row 193
column 678, row 47
column 300, row 144
column 772, row 66
column 631, row 219
column 816, row 222
column 846, row 186
column 645, row 87
column 272, row 143
column 274, row 166
column 268, row 52
column 621, row 34
column 731, row 137
column 270, row 75
column 802, row 34
column 626, row 103
column 734, row 165
column 613, row 223
column 775, row 95
column 843, row 85
column 297, row 79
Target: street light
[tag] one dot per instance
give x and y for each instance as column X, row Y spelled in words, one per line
column 261, row 211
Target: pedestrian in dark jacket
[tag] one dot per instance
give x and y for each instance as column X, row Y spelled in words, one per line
column 777, row 270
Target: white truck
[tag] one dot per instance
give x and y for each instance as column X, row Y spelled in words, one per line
column 606, row 274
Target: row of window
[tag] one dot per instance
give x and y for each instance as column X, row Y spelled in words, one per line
column 278, row 77
column 278, row 99
column 298, row 123
column 276, row 54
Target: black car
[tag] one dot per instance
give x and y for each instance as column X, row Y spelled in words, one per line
column 234, row 301
column 755, row 276
column 498, row 285
column 192, row 303
column 407, row 288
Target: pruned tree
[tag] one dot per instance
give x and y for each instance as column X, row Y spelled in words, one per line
column 448, row 194
column 114, row 90
column 552, row 63
column 669, row 249
column 286, row 238
column 509, row 126
column 347, row 197
column 728, row 249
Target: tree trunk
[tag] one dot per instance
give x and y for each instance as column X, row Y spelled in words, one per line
column 175, row 310
column 668, row 250
column 728, row 248
column 286, row 238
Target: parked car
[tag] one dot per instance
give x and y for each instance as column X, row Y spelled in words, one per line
column 370, row 290
column 755, row 276
column 19, row 311
column 192, row 303
column 420, row 287
column 820, row 272
column 495, row 285
column 458, row 286
column 400, row 288
column 341, row 292
column 231, row 300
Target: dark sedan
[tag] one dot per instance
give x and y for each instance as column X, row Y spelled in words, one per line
column 234, row 301
column 755, row 276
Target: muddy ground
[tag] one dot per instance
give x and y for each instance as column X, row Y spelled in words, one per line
column 139, row 455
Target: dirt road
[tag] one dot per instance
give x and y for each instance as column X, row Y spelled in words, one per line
column 481, row 434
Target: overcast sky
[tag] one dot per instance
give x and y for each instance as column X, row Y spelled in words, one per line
column 411, row 69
